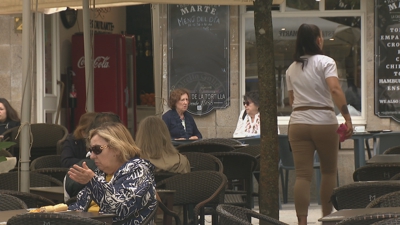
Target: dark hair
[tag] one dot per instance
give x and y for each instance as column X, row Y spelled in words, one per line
column 306, row 42
column 175, row 96
column 252, row 96
column 11, row 113
column 102, row 118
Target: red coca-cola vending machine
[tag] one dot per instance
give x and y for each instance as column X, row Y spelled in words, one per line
column 114, row 77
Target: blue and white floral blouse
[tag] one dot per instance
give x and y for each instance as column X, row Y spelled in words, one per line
column 130, row 191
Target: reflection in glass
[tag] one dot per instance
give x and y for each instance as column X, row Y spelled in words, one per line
column 341, row 42
column 292, row 5
column 342, row 4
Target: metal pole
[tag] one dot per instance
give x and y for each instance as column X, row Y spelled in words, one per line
column 26, row 95
column 88, row 57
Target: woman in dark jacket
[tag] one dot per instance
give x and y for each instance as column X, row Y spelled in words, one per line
column 74, row 146
column 180, row 123
column 8, row 116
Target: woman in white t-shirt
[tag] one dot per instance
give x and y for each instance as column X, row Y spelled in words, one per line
column 314, row 88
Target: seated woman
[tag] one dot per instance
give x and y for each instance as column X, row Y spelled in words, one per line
column 180, row 123
column 8, row 116
column 122, row 184
column 74, row 146
column 248, row 124
column 154, row 140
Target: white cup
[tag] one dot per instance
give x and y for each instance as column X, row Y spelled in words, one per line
column 359, row 129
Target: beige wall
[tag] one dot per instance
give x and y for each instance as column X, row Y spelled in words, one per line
column 11, row 62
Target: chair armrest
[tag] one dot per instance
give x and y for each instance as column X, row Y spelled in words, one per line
column 169, row 212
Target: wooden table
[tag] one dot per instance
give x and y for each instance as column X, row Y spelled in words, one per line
column 167, row 197
column 55, row 194
column 389, row 158
column 340, row 215
column 107, row 218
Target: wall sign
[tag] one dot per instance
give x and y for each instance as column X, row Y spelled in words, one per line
column 198, row 50
column 387, row 60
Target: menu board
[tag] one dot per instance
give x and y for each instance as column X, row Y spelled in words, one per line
column 387, row 60
column 198, row 54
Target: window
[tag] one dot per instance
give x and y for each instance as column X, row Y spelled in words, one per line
column 342, row 42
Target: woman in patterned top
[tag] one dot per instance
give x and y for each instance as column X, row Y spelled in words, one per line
column 122, row 184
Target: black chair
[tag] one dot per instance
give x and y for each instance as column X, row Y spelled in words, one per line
column 204, row 147
column 30, row 199
column 393, row 221
column 196, row 189
column 360, row 194
column 238, row 166
column 9, row 181
column 392, row 150
column 378, row 171
column 253, row 150
column 45, row 138
column 234, row 215
column 47, row 161
column 368, row 219
column 202, row 161
column 56, row 172
column 9, row 202
column 51, row 218
column 388, row 200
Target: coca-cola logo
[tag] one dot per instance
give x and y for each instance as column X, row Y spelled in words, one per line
column 99, row 62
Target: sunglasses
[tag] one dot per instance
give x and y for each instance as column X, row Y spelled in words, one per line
column 97, row 149
column 246, row 103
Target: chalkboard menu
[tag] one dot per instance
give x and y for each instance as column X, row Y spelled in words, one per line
column 198, row 50
column 387, row 60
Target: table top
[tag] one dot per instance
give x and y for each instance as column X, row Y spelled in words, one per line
column 347, row 213
column 6, row 215
column 389, row 158
column 56, row 190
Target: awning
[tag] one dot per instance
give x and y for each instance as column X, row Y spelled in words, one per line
column 15, row 6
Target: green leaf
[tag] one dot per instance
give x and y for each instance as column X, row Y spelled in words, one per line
column 3, row 158
column 6, row 144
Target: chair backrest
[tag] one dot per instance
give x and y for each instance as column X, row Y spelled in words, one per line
column 57, row 172
column 383, row 141
column 45, row 138
column 392, row 150
column 285, row 153
column 388, row 200
column 204, row 147
column 51, row 218
column 378, row 171
column 202, row 161
column 9, row 181
column 360, row 194
column 47, row 161
column 234, row 215
column 196, row 188
column 392, row 221
column 225, row 141
column 368, row 219
column 31, row 200
column 9, row 202
column 239, row 166
column 253, row 150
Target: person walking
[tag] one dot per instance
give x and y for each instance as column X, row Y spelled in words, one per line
column 314, row 89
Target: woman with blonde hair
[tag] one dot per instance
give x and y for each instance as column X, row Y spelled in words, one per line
column 122, row 184
column 154, row 140
column 74, row 146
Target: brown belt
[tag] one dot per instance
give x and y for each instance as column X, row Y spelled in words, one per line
column 303, row 108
